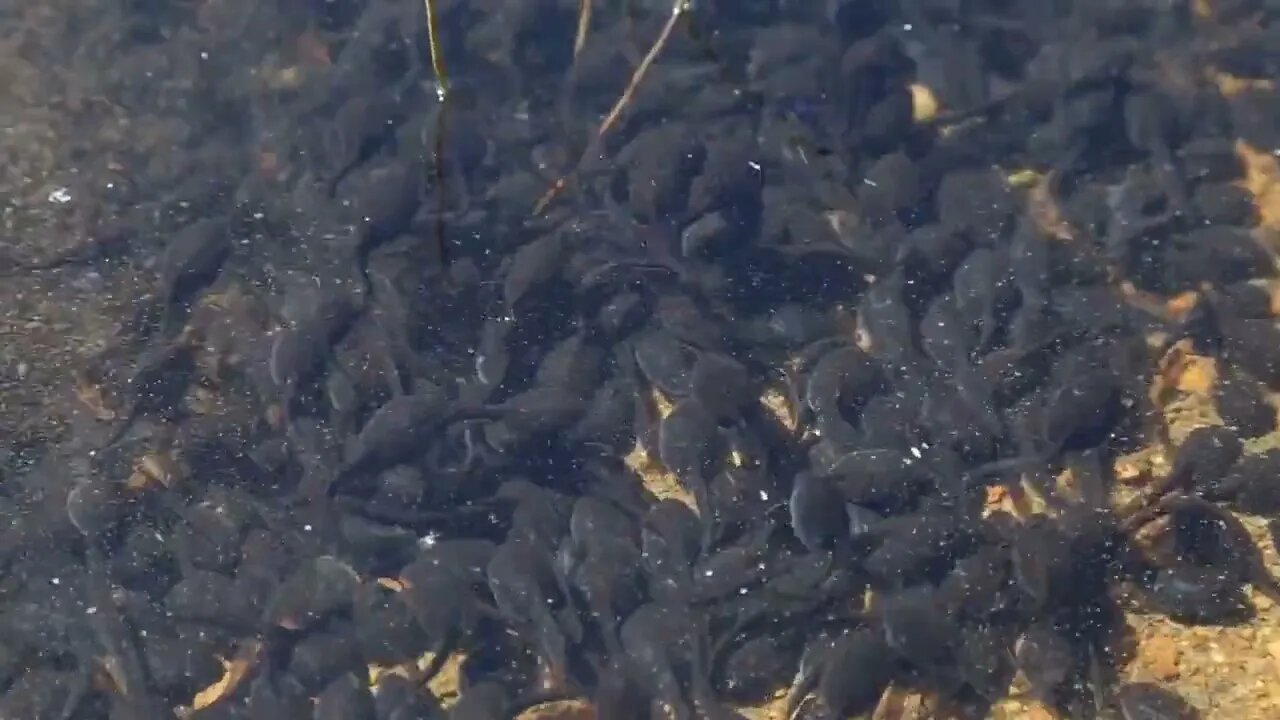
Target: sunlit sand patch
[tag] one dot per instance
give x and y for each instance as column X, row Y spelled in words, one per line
column 1273, row 288
column 924, row 104
column 154, row 468
column 1198, row 375
column 92, row 396
column 1262, row 181
column 1138, row 466
column 775, row 402
column 1188, row 413
column 663, row 485
column 1182, row 389
column 392, row 584
column 234, row 671
column 900, row 704
column 1230, row 85
column 286, row 78
column 1024, row 178
column 1182, row 371
column 202, row 400
column 445, row 685
column 657, row 479
column 1044, row 210
column 1179, row 305
column 1264, row 443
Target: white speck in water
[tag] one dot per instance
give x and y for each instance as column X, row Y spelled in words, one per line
column 23, row 369
column 55, row 581
column 764, row 495
column 60, row 195
column 91, row 610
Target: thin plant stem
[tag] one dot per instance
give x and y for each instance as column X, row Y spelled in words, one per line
column 678, row 10
column 584, row 24
column 437, row 55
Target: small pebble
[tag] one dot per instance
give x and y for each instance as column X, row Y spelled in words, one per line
column 1159, row 657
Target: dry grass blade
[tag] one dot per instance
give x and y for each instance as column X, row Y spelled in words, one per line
column 678, row 10
column 584, row 24
column 437, row 55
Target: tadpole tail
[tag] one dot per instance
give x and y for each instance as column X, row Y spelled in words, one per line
column 999, row 467
column 166, row 317
column 122, row 427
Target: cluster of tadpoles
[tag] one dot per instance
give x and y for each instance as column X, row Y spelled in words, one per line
column 679, row 8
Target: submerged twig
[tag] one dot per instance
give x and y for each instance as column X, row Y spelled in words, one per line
column 678, row 10
column 437, row 55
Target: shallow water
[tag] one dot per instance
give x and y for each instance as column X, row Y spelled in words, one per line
column 826, row 352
